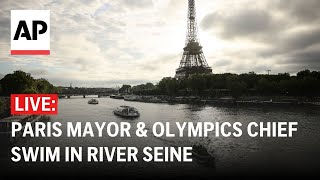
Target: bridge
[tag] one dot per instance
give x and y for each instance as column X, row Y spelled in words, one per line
column 61, row 96
column 68, row 92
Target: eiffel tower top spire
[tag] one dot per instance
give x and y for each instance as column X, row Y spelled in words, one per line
column 193, row 60
column 192, row 33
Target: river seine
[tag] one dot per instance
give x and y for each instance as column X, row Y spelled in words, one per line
column 245, row 154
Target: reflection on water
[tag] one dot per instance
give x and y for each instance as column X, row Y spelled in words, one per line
column 232, row 154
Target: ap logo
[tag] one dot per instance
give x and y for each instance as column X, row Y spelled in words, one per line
column 30, row 32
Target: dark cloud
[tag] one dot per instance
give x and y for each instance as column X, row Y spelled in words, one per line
column 285, row 28
column 302, row 39
column 307, row 11
column 292, row 42
column 311, row 57
column 246, row 23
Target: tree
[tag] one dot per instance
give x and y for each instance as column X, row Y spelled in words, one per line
column 307, row 84
column 149, row 86
column 303, row 74
column 43, row 86
column 23, row 83
column 197, row 82
column 250, row 79
column 125, row 89
column 268, row 87
column 16, row 83
column 236, row 86
column 168, row 86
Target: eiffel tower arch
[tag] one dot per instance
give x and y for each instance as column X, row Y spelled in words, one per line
column 193, row 60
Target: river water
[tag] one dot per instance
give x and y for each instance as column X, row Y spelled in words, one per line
column 299, row 154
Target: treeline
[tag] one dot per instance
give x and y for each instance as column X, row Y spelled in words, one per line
column 20, row 82
column 305, row 83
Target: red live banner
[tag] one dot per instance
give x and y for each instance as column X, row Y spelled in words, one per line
column 34, row 104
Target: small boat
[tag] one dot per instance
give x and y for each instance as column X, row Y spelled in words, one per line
column 93, row 101
column 126, row 111
column 200, row 154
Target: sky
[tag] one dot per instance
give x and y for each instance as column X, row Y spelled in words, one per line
column 107, row 43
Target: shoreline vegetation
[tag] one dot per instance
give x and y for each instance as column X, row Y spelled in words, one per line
column 20, row 82
column 305, row 84
column 217, row 89
column 233, row 89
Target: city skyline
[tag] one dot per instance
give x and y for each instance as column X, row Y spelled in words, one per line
column 108, row 43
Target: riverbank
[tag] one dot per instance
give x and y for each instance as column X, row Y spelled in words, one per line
column 6, row 123
column 4, row 107
column 253, row 100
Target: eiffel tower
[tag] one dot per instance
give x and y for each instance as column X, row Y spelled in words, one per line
column 193, row 60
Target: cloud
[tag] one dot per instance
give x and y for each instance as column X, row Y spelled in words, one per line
column 305, row 57
column 1, row 76
column 279, row 33
column 106, row 43
column 291, row 42
column 245, row 23
column 38, row 72
column 222, row 62
column 305, row 12
column 139, row 3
